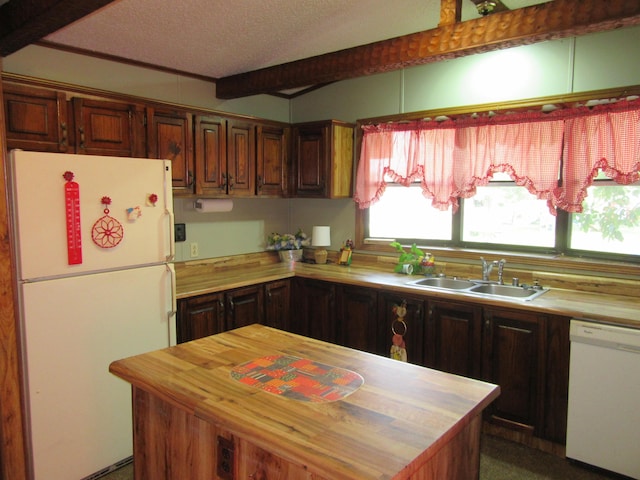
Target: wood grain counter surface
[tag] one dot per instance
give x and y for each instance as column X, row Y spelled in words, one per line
column 616, row 309
column 402, row 417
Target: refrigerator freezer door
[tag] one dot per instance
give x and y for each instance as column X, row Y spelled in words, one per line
column 40, row 211
column 80, row 414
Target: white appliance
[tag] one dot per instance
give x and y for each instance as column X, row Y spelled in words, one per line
column 77, row 315
column 603, row 423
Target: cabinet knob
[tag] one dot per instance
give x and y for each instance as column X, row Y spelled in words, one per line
column 81, row 137
column 260, row 183
column 223, row 184
column 230, row 181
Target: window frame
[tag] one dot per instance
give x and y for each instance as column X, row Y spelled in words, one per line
column 560, row 256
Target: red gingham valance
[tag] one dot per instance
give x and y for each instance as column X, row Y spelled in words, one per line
column 450, row 158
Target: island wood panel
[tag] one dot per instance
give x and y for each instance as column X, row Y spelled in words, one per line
column 404, row 422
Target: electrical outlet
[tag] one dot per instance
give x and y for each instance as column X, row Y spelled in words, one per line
column 194, row 249
column 225, row 461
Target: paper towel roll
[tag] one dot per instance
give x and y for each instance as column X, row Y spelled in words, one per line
column 209, row 205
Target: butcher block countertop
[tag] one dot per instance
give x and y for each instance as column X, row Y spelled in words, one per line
column 616, row 309
column 401, row 418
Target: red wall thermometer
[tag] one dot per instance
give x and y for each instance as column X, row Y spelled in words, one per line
column 72, row 212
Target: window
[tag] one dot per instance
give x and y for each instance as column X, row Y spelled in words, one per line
column 505, row 216
column 610, row 221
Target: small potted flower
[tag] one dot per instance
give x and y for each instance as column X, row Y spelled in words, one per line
column 288, row 246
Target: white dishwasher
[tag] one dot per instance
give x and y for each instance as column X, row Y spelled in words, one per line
column 603, row 423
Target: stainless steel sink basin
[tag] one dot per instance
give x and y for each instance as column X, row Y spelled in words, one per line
column 442, row 282
column 481, row 289
column 507, row 291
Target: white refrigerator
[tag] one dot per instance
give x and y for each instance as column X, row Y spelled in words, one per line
column 93, row 244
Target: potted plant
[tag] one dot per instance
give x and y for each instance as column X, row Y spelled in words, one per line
column 288, row 245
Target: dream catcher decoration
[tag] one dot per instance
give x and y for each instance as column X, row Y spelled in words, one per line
column 107, row 232
column 399, row 329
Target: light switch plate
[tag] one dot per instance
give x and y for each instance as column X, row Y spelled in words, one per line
column 180, row 231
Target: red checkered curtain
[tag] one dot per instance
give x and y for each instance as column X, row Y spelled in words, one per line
column 451, row 158
column 606, row 138
column 525, row 146
column 404, row 153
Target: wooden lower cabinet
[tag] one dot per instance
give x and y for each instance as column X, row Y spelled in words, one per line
column 454, row 338
column 556, row 374
column 314, row 309
column 277, row 303
column 414, row 335
column 212, row 313
column 357, row 323
column 200, row 316
column 514, row 353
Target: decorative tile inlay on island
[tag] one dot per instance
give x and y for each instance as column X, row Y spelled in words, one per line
column 298, row 378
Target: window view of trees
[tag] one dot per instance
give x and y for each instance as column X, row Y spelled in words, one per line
column 503, row 215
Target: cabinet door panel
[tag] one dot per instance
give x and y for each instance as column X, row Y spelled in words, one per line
column 272, row 161
column 169, row 137
column 108, row 128
column 556, row 376
column 36, row 119
column 455, row 338
column 200, row 316
column 211, row 155
column 314, row 313
column 357, row 323
column 241, row 158
column 514, row 351
column 414, row 336
column 277, row 304
column 311, row 161
column 245, row 306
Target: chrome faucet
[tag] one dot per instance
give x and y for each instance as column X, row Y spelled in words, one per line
column 501, row 271
column 488, row 266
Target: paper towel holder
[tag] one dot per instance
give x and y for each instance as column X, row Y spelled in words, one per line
column 210, row 205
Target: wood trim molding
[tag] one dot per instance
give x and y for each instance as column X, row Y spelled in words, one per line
column 547, row 21
column 13, row 457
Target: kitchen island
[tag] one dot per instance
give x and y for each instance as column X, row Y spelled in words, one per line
column 203, row 410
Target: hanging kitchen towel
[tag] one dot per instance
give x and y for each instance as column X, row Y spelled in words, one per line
column 399, row 329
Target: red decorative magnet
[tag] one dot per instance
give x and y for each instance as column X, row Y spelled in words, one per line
column 107, row 232
column 72, row 213
column 152, row 199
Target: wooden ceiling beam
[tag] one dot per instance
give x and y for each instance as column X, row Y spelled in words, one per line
column 23, row 22
column 547, row 21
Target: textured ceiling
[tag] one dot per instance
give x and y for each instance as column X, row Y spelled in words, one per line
column 218, row 38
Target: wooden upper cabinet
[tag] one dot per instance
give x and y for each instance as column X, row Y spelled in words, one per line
column 272, row 160
column 211, row 154
column 36, row 119
column 169, row 137
column 240, row 174
column 323, row 159
column 108, row 128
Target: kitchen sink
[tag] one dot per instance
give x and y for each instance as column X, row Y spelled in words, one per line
column 507, row 291
column 480, row 289
column 442, row 282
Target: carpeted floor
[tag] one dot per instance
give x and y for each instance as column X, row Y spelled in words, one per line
column 500, row 460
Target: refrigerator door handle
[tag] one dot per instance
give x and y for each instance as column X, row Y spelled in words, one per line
column 172, row 240
column 174, row 302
